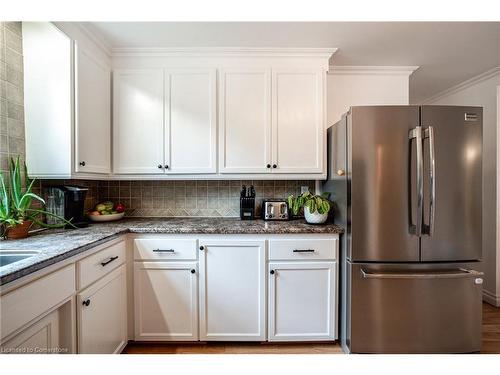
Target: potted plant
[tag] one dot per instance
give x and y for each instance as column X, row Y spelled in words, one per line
column 316, row 207
column 17, row 214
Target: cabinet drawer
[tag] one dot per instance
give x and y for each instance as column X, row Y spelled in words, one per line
column 314, row 249
column 164, row 249
column 99, row 264
column 32, row 300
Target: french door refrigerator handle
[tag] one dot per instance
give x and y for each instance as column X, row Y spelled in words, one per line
column 459, row 274
column 417, row 134
column 429, row 133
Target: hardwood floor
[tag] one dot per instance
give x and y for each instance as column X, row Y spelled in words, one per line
column 491, row 343
column 491, row 329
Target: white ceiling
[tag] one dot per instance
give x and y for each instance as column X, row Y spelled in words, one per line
column 447, row 53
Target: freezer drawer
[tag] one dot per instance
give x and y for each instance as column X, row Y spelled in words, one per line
column 425, row 308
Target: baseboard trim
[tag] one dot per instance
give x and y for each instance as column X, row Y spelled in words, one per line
column 491, row 298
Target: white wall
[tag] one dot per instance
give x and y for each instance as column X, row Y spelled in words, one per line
column 361, row 85
column 482, row 91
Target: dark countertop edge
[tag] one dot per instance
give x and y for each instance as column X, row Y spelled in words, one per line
column 56, row 259
column 137, row 230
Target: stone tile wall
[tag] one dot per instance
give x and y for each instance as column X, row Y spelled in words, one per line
column 12, row 141
column 192, row 198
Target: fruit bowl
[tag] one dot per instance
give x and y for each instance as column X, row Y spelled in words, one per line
column 111, row 217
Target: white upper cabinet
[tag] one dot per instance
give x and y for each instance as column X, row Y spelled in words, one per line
column 245, row 121
column 138, row 121
column 272, row 121
column 298, row 121
column 93, row 118
column 191, row 124
column 67, row 103
column 47, row 99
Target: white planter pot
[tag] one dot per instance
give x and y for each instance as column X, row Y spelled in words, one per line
column 315, row 218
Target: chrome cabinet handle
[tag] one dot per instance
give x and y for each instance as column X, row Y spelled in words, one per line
column 163, row 251
column 303, row 250
column 458, row 274
column 109, row 261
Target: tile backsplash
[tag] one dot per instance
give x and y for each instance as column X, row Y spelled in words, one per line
column 180, row 198
column 191, row 198
column 11, row 94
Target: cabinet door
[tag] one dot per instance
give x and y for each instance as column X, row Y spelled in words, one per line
column 298, row 121
column 166, row 301
column 191, row 126
column 102, row 315
column 93, row 118
column 245, row 121
column 138, row 121
column 41, row 337
column 302, row 301
column 232, row 291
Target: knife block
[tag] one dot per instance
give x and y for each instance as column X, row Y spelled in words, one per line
column 247, row 208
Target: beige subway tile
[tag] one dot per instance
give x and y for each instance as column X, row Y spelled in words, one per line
column 4, row 143
column 13, row 41
column 3, row 125
column 16, row 146
column 201, row 202
column 15, row 111
column 180, row 202
column 191, row 202
column 135, row 192
column 14, row 59
column 15, row 128
column 14, row 26
column 213, row 191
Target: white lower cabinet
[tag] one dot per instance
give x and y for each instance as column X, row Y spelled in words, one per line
column 39, row 338
column 232, row 290
column 302, row 301
column 166, row 301
column 102, row 314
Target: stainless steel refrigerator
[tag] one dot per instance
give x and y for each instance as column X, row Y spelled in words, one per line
column 407, row 186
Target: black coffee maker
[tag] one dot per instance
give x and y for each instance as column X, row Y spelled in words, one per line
column 67, row 201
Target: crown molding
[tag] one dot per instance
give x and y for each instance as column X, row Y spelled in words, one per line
column 94, row 37
column 463, row 85
column 372, row 70
column 222, row 51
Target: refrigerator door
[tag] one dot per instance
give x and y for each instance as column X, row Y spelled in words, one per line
column 452, row 215
column 414, row 308
column 382, row 170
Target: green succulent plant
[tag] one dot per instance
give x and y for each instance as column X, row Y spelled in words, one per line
column 16, row 201
column 315, row 203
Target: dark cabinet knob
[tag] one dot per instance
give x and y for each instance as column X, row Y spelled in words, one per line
column 193, row 271
column 275, row 166
column 166, row 166
column 272, row 272
column 86, row 302
column 82, row 163
column 160, row 166
column 202, row 247
column 268, row 166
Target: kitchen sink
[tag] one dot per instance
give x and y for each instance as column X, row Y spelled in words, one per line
column 12, row 256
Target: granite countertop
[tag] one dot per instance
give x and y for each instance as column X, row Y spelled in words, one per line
column 57, row 245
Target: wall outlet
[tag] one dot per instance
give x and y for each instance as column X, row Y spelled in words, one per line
column 303, row 189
